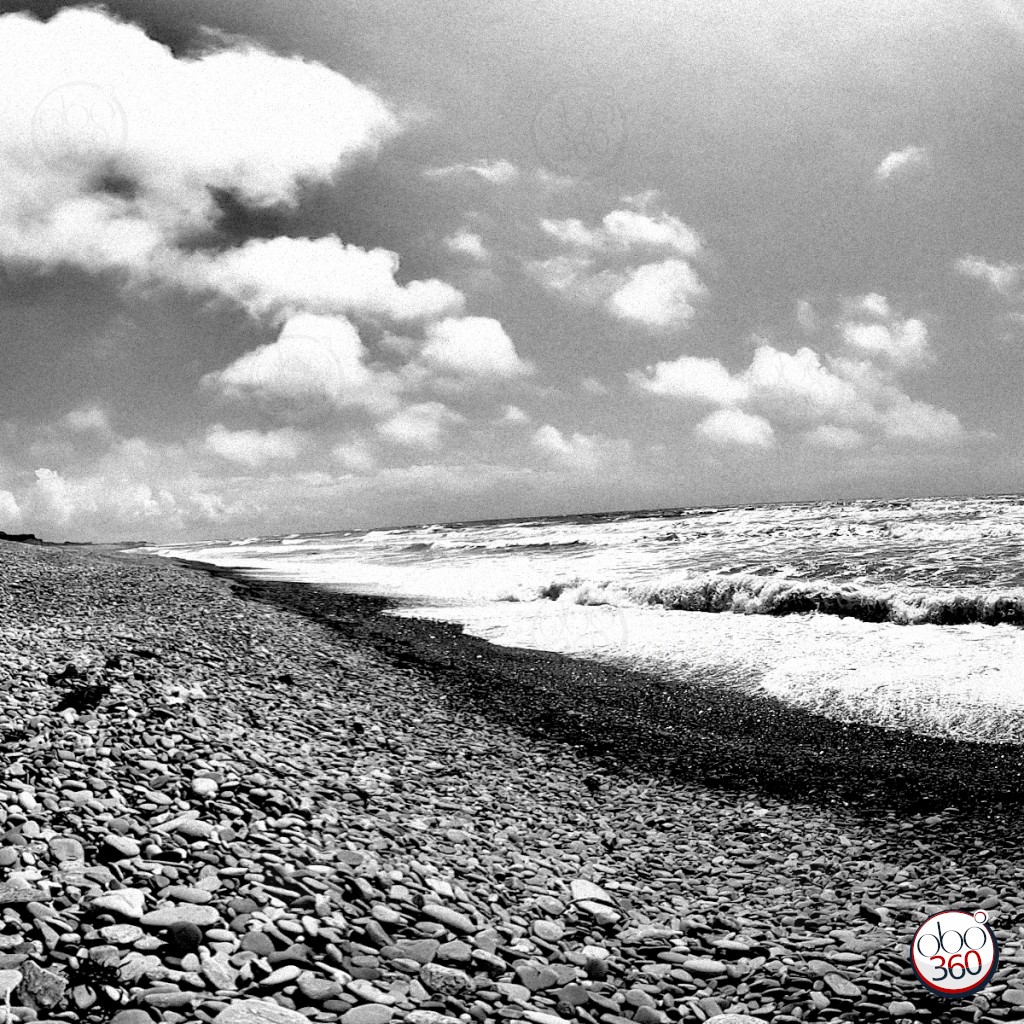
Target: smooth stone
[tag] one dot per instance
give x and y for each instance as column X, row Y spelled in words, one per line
column 131, row 1017
column 548, row 931
column 422, row 951
column 705, row 967
column 126, row 902
column 121, row 846
column 122, row 934
column 204, row 787
column 189, row 913
column 258, row 1011
column 734, row 1018
column 281, row 976
column 842, row 987
column 453, row 919
column 370, row 1013
column 581, row 889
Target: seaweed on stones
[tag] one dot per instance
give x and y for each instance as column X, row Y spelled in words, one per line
column 84, row 698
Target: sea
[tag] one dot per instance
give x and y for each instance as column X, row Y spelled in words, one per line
column 904, row 614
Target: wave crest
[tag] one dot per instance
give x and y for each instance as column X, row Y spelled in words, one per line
column 746, row 594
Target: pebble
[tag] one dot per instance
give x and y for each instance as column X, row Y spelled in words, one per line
column 376, row 853
column 128, row 903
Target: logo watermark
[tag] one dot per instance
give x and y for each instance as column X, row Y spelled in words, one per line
column 579, row 131
column 78, row 121
column 954, row 954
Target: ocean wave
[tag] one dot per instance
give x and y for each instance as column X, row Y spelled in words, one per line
column 747, row 594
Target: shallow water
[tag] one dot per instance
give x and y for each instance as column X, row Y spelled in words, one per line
column 901, row 613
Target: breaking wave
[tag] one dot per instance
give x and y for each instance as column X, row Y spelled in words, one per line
column 757, row 595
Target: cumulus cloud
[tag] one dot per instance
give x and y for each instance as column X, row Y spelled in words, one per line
column 315, row 362
column 322, row 275
column 657, row 294
column 579, row 452
column 703, row 380
column 901, row 162
column 734, row 427
column 472, row 346
column 612, row 265
column 112, row 151
column 836, row 400
column 626, row 231
column 872, row 328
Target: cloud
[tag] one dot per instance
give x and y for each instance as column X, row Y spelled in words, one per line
column 872, row 328
column 252, row 448
column 467, row 243
column 112, row 148
column 472, row 346
column 657, row 294
column 316, row 361
column 610, row 265
column 702, row 380
column 421, row 425
column 323, row 275
column 826, row 401
column 733, row 427
column 1004, row 278
column 626, row 231
column 901, row 162
column 580, row 452
column 496, row 172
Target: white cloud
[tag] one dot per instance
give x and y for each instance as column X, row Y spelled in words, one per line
column 606, row 266
column 657, row 294
column 579, row 452
column 87, row 99
column 497, row 172
column 315, row 360
column 626, row 231
column 467, row 243
column 253, row 448
column 901, row 162
column 693, row 378
column 832, row 401
column 734, row 427
column 473, row 346
column 421, row 425
column 322, row 275
column 902, row 341
column 1004, row 278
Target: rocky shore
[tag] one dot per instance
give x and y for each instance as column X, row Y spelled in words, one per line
column 214, row 808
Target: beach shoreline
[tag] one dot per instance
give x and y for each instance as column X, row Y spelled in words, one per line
column 366, row 821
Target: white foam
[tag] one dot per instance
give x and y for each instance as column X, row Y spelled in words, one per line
column 963, row 681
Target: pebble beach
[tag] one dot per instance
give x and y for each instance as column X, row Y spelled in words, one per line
column 249, row 802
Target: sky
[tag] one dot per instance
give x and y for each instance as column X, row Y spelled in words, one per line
column 304, row 265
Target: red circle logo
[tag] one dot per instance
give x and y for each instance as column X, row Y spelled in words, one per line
column 954, row 954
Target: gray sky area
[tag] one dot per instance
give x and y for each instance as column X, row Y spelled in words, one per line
column 287, row 265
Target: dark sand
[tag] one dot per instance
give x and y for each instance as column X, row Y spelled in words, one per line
column 374, row 819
